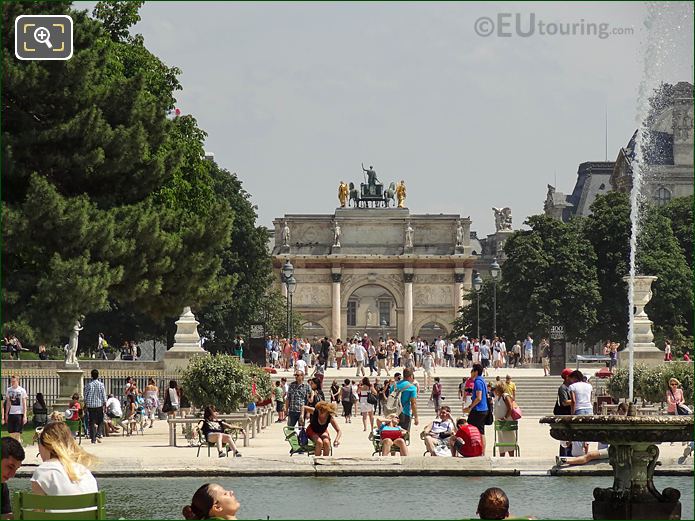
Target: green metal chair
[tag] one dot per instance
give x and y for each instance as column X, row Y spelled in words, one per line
column 296, row 447
column 507, row 426
column 202, row 441
column 77, row 428
column 32, row 506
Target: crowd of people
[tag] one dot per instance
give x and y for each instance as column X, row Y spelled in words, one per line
column 385, row 354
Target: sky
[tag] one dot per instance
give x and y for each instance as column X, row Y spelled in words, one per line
column 295, row 96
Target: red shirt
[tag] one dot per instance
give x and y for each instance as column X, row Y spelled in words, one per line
column 472, row 444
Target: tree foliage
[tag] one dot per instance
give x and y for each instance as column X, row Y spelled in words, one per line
column 651, row 383
column 658, row 253
column 108, row 205
column 466, row 322
column 549, row 277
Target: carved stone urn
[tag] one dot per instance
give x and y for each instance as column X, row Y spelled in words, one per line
column 645, row 349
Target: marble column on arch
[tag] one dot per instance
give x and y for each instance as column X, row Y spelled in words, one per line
column 408, row 306
column 459, row 291
column 336, row 277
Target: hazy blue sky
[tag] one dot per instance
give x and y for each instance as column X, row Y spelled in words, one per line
column 295, row 95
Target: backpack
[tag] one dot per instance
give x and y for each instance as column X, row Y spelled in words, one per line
column 393, row 402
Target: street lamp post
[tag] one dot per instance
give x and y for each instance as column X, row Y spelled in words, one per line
column 291, row 286
column 287, row 276
column 478, row 287
column 495, row 274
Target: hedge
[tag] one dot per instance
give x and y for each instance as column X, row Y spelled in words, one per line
column 651, row 383
column 223, row 381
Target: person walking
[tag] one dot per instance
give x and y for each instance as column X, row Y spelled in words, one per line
column 15, row 408
column 346, row 400
column 478, row 409
column 101, row 347
column 544, row 346
column 408, row 397
column 485, row 355
column 360, row 355
column 528, row 349
column 297, row 397
column 151, row 396
column 367, row 399
column 279, row 396
column 436, row 395
column 381, row 355
column 95, row 402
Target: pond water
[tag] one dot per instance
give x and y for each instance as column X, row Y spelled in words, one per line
column 354, row 497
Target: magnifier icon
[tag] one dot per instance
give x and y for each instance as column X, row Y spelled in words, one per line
column 42, row 35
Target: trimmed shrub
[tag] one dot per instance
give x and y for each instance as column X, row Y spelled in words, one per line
column 651, row 383
column 220, row 380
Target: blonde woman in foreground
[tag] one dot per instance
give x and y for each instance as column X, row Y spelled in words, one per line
column 64, row 469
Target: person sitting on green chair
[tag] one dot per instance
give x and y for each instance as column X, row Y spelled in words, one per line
column 64, row 469
column 12, row 457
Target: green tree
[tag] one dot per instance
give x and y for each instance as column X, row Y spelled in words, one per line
column 466, row 322
column 658, row 253
column 608, row 231
column 680, row 212
column 87, row 150
column 549, row 277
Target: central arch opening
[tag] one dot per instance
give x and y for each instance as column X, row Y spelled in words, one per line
column 371, row 309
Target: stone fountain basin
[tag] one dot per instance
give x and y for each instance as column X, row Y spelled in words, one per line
column 620, row 429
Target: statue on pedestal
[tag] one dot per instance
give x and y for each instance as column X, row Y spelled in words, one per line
column 459, row 235
column 503, row 218
column 409, row 236
column 371, row 175
column 336, row 234
column 286, row 235
column 343, row 193
column 369, row 316
column 401, row 193
column 71, row 351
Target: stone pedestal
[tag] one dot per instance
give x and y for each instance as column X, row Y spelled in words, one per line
column 186, row 342
column 645, row 351
column 71, row 382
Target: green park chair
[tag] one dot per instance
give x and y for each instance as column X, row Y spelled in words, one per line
column 77, row 428
column 26, row 505
column 202, row 442
column 506, row 426
column 296, row 447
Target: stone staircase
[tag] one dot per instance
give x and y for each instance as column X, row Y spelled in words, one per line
column 535, row 394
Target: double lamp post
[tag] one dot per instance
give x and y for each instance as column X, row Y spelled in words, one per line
column 287, row 277
column 478, row 287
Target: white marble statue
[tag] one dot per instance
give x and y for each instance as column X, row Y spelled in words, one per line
column 459, row 235
column 503, row 218
column 409, row 236
column 286, row 235
column 336, row 234
column 71, row 352
column 369, row 316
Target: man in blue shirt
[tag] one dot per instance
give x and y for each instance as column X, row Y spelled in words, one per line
column 478, row 410
column 408, row 399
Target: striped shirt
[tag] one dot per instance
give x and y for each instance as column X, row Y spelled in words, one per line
column 94, row 394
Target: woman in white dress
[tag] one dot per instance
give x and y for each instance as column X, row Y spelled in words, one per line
column 366, row 408
column 64, row 469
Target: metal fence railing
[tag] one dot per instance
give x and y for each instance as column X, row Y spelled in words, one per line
column 47, row 381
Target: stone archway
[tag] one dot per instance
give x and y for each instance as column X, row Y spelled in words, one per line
column 372, row 309
column 312, row 329
column 429, row 329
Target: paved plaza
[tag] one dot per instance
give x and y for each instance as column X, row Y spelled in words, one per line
column 268, row 453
